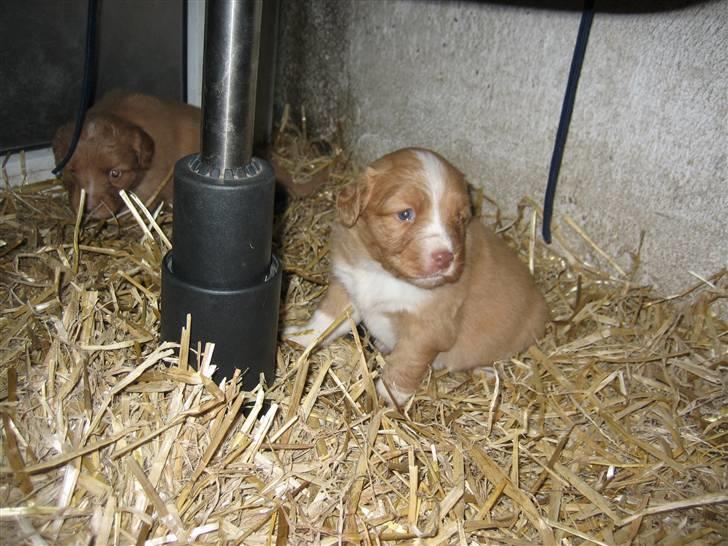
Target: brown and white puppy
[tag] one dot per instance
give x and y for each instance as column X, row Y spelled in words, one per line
column 434, row 286
column 129, row 141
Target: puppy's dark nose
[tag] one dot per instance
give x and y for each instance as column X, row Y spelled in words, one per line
column 442, row 258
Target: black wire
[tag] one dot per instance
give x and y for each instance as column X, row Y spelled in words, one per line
column 85, row 85
column 566, row 109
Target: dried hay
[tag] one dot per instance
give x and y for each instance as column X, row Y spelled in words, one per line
column 612, row 431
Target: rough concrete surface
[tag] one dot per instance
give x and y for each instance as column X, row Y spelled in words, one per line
column 483, row 84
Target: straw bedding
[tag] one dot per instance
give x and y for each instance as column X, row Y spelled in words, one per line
column 613, row 430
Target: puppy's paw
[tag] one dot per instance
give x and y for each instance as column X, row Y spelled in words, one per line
column 301, row 335
column 439, row 363
column 382, row 347
column 487, row 373
column 391, row 395
column 318, row 323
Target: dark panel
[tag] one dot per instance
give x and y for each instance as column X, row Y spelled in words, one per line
column 41, row 52
column 140, row 47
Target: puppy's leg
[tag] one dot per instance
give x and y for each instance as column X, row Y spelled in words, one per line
column 457, row 359
column 406, row 367
column 334, row 302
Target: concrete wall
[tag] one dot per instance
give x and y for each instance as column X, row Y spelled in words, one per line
column 483, row 84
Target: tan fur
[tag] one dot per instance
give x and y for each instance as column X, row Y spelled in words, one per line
column 336, row 298
column 487, row 309
column 141, row 136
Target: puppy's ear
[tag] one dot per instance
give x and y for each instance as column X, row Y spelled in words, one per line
column 143, row 145
column 62, row 140
column 353, row 198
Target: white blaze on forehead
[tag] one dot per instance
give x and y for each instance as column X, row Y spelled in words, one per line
column 434, row 172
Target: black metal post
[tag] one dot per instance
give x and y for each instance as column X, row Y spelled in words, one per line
column 230, row 76
column 221, row 269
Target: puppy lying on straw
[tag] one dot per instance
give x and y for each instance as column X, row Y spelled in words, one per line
column 434, row 286
column 129, row 141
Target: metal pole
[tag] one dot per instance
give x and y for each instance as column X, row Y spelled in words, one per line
column 230, row 74
column 221, row 269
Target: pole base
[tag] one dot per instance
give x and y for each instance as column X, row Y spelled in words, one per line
column 243, row 323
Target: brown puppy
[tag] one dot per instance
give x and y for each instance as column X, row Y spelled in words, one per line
column 129, row 141
column 434, row 286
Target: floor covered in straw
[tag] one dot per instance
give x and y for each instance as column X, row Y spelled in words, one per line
column 613, row 430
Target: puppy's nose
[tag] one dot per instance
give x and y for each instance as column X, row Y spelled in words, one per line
column 442, row 258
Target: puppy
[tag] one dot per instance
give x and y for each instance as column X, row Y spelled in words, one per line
column 434, row 286
column 129, row 141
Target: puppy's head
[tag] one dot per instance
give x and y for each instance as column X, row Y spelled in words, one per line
column 112, row 154
column 411, row 208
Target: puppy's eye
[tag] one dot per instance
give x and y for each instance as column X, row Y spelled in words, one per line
column 406, row 215
column 114, row 173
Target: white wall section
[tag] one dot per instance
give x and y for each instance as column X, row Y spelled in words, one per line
column 483, row 84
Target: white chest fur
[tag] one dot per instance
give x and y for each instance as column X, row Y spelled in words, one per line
column 375, row 293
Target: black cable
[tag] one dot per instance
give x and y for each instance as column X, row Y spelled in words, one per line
column 85, row 85
column 566, row 109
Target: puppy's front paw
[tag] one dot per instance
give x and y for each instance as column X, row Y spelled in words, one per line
column 382, row 347
column 439, row 363
column 305, row 335
column 301, row 335
column 391, row 395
